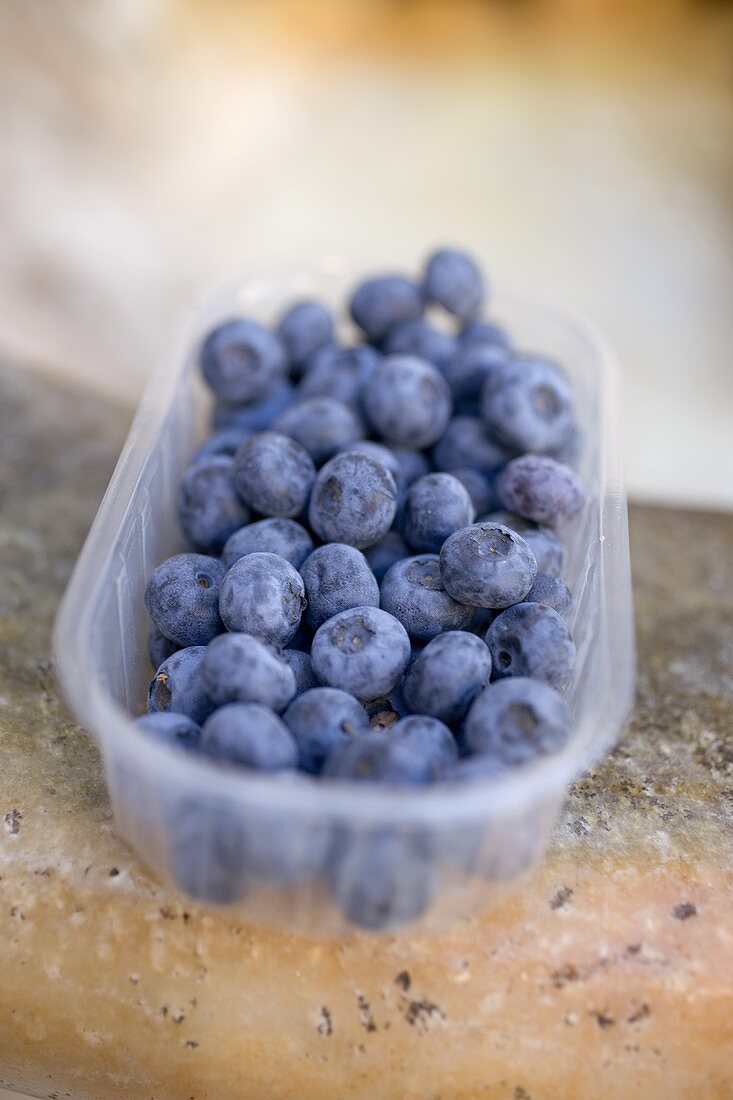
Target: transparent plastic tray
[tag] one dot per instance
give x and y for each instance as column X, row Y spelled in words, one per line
column 265, row 843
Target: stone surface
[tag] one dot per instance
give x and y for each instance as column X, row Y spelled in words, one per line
column 609, row 974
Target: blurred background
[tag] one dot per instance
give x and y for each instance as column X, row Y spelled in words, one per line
column 150, row 148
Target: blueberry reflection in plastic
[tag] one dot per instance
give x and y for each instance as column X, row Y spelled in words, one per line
column 282, row 852
column 382, row 879
column 206, row 850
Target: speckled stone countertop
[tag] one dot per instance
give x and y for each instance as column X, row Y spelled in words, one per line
column 609, row 974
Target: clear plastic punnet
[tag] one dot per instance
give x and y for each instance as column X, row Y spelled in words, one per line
column 288, row 849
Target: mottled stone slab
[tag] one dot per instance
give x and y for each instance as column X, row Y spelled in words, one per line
column 609, row 974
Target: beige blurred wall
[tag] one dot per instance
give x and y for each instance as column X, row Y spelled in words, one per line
column 150, row 148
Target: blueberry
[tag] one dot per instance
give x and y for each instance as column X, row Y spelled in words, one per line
column 380, row 758
column 182, row 597
column 302, row 669
column 364, row 651
column 482, row 333
column 173, row 729
column 336, row 578
column 435, row 506
column 255, row 416
column 251, row 735
column 378, row 304
column 160, row 648
column 551, row 591
column 383, row 554
column 453, row 279
column 206, row 851
column 473, row 769
column 430, row 739
column 544, row 543
column 480, row 488
column 177, row 686
column 407, row 401
column 385, row 456
column 412, row 465
column 269, row 536
column 238, row 668
column 536, row 487
column 240, row 360
column 224, row 442
column 384, row 878
column 487, row 565
column 304, row 329
column 517, row 720
column 354, row 500
column 320, row 719
column 528, row 405
column 468, row 371
column 274, row 474
column 322, row 425
column 447, row 676
column 263, row 595
column 339, row 373
column 571, row 451
column 422, row 339
column 530, row 639
column 466, row 442
column 209, row 507
column 413, row 592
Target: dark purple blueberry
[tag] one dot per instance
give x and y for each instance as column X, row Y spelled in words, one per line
column 383, row 554
column 263, row 595
column 322, row 425
column 363, row 651
column 254, row 416
column 421, row 338
column 413, row 592
column 468, row 370
column 238, row 668
column 224, row 442
column 447, row 676
column 412, row 465
column 544, row 543
column 487, row 565
column 241, row 360
column 551, row 591
column 517, row 720
column 160, row 648
column 354, row 500
column 454, row 280
column 336, row 578
column 302, row 668
column 530, row 639
column 430, row 739
column 209, row 507
column 528, row 405
column 250, row 735
column 320, row 719
column 435, row 506
column 177, row 686
column 380, row 303
column 477, row 333
column 274, row 474
column 182, row 597
column 466, row 442
column 481, row 489
column 303, row 329
column 407, row 401
column 538, row 488
column 339, row 372
column 206, row 849
column 269, row 536
column 380, row 758
column 173, row 729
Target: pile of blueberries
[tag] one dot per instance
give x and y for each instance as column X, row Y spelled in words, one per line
column 373, row 591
